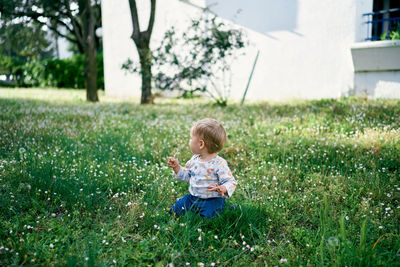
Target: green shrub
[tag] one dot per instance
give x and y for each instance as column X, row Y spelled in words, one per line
column 60, row 73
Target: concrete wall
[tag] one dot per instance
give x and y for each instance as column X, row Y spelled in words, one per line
column 377, row 69
column 304, row 44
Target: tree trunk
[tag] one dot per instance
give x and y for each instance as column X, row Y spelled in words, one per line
column 91, row 75
column 89, row 44
column 145, row 64
column 142, row 42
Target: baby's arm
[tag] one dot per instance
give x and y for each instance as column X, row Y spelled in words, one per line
column 226, row 180
column 181, row 173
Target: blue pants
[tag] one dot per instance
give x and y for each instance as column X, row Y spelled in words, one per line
column 207, row 208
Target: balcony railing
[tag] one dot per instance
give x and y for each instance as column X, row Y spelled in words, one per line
column 381, row 23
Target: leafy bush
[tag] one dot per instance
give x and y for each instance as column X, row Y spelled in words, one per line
column 197, row 59
column 61, row 73
column 395, row 35
column 392, row 35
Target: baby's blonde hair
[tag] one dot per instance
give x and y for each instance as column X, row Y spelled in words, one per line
column 212, row 132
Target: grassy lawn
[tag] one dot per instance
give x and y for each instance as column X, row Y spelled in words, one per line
column 88, row 184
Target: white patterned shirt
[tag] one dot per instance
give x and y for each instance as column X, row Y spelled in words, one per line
column 201, row 174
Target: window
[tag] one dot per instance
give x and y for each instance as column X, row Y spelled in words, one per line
column 383, row 20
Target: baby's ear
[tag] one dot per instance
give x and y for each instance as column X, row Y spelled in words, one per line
column 202, row 143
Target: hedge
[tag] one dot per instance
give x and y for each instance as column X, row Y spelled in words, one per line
column 61, row 73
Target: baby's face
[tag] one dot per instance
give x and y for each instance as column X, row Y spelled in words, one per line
column 194, row 143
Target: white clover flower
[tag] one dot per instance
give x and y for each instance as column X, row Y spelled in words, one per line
column 51, row 246
column 283, row 260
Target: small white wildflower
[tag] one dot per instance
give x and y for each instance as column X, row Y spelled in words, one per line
column 347, row 218
column 199, row 238
column 380, row 227
column 216, row 237
column 51, row 246
column 283, row 260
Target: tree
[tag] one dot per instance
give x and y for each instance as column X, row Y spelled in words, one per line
column 20, row 43
column 142, row 42
column 198, row 59
column 75, row 20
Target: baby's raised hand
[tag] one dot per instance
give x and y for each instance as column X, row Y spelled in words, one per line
column 173, row 163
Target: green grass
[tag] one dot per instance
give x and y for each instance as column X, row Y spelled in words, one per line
column 88, row 184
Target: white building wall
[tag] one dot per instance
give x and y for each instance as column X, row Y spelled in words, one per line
column 304, row 44
column 377, row 69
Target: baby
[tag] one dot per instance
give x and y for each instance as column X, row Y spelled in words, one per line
column 207, row 173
